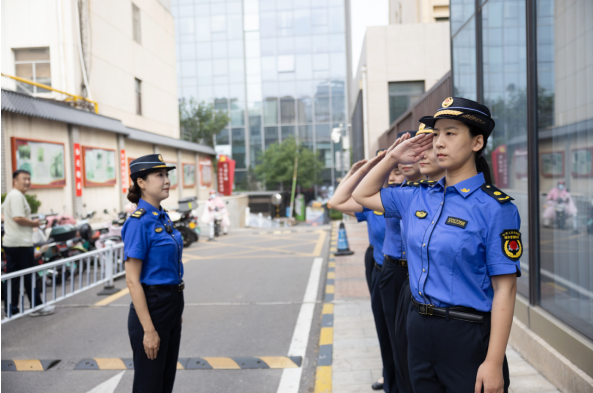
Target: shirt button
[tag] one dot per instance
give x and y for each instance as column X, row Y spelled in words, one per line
column 423, row 270
column 441, row 203
column 424, row 245
column 420, row 293
column 404, row 252
column 433, row 222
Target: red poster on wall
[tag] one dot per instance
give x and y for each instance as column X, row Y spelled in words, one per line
column 78, row 169
column 123, row 165
column 226, row 175
column 500, row 167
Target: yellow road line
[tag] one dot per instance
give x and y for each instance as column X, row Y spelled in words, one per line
column 333, row 249
column 28, row 365
column 331, row 275
column 180, row 366
column 110, row 364
column 326, row 336
column 223, row 363
column 113, row 297
column 328, row 308
column 330, row 289
column 323, row 379
column 317, row 250
column 331, row 264
column 278, row 362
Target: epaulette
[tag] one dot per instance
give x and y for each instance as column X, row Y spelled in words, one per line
column 411, row 184
column 426, row 182
column 495, row 193
column 138, row 213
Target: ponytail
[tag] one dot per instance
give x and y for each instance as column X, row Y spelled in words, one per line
column 481, row 163
column 134, row 192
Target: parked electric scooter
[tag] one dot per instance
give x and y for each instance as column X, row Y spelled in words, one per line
column 186, row 223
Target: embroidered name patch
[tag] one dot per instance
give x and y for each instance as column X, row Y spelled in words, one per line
column 511, row 244
column 421, row 214
column 457, row 222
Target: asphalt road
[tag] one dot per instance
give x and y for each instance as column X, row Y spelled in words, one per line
column 243, row 295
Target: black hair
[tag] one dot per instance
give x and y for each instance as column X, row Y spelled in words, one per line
column 16, row 173
column 134, row 192
column 481, row 163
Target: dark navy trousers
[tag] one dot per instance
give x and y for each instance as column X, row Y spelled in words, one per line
column 158, row 375
column 369, row 264
column 393, row 277
column 444, row 355
column 381, row 323
column 401, row 340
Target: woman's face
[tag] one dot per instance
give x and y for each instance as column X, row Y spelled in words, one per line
column 410, row 171
column 156, row 185
column 429, row 165
column 453, row 145
column 396, row 176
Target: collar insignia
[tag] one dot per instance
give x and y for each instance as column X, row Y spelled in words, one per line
column 512, row 247
column 155, row 213
column 448, row 102
column 464, row 190
column 421, row 214
column 158, row 229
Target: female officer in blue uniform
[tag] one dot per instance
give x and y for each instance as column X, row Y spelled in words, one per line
column 154, row 272
column 464, row 247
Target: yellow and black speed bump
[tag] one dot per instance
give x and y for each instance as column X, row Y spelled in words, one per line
column 209, row 363
column 28, row 365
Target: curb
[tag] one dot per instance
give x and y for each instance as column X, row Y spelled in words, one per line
column 323, row 376
column 208, row 363
column 28, row 364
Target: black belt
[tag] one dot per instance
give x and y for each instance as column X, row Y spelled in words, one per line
column 166, row 288
column 398, row 262
column 460, row 313
column 371, row 246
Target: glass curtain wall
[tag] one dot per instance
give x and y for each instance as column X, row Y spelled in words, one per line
column 565, row 136
column 277, row 66
column 490, row 65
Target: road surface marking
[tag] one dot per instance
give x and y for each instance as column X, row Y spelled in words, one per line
column 28, row 365
column 223, row 363
column 320, row 243
column 323, row 380
column 291, row 377
column 108, row 386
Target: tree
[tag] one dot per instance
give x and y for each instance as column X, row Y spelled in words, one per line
column 277, row 165
column 200, row 123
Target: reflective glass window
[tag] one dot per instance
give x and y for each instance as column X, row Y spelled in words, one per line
column 338, row 108
column 286, row 63
column 337, row 65
column 337, row 43
column 401, row 97
column 302, row 22
column 202, row 9
column 222, row 138
column 319, row 17
column 268, row 24
column 321, row 44
column 235, row 49
column 286, row 45
column 236, row 71
column 302, row 44
column 186, row 25
column 306, row 136
column 565, row 137
column 234, row 8
column 271, row 111
column 202, row 28
column 252, row 48
column 304, row 110
column 203, row 50
column 321, row 62
column 251, row 22
column 268, row 66
column 464, row 62
column 218, row 23
column 287, row 132
column 271, row 136
column 336, row 20
column 235, row 27
column 204, row 72
column 187, row 51
column 268, row 46
column 219, row 67
column 304, row 67
column 239, row 151
column 219, row 50
column 287, row 110
column 321, row 109
column 461, row 11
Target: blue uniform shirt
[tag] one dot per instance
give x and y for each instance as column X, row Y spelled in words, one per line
column 376, row 228
column 456, row 240
column 394, row 245
column 147, row 239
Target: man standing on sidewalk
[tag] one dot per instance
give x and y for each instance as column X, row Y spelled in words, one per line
column 18, row 240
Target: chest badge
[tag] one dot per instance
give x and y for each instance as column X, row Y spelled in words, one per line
column 377, row 213
column 158, row 229
column 511, row 244
column 456, row 222
column 421, row 214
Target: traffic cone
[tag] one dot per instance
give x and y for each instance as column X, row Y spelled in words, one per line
column 343, row 248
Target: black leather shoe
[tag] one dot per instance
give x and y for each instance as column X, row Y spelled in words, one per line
column 377, row 386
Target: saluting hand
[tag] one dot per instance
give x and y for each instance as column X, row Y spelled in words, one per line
column 399, row 140
column 489, row 376
column 411, row 150
column 357, row 166
column 151, row 342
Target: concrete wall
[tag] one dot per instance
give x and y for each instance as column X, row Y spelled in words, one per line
column 397, row 53
column 58, row 200
column 189, row 158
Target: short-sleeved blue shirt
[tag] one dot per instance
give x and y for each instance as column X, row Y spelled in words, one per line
column 146, row 238
column 376, row 229
column 456, row 240
column 393, row 245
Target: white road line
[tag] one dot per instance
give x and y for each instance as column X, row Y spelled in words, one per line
column 108, row 386
column 291, row 377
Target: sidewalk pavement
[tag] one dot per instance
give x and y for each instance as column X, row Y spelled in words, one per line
column 356, row 356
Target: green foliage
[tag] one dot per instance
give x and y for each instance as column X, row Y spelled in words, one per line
column 277, row 165
column 335, row 215
column 200, row 122
column 32, row 200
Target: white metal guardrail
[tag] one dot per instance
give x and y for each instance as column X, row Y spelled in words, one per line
column 77, row 274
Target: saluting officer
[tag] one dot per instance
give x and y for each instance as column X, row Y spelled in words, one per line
column 463, row 245
column 154, row 272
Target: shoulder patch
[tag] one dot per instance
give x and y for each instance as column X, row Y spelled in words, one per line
column 512, row 247
column 495, row 193
column 138, row 213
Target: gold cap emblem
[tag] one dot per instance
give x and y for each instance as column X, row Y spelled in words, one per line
column 160, row 158
column 422, row 126
column 448, row 102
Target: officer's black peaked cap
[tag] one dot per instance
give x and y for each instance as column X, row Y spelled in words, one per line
column 466, row 111
column 146, row 164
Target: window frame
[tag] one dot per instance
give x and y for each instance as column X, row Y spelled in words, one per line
column 34, row 69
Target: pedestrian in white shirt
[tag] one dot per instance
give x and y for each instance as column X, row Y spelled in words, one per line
column 18, row 240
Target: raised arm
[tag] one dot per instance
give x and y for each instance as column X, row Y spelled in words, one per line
column 342, row 199
column 405, row 151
